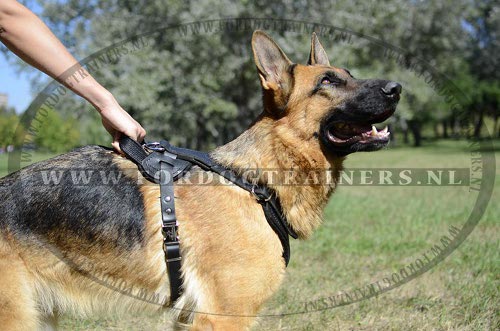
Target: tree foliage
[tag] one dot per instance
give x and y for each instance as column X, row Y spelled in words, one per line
column 197, row 86
column 52, row 133
column 9, row 122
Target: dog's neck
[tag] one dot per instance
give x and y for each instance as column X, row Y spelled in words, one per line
column 274, row 155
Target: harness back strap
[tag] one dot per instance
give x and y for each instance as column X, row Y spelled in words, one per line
column 168, row 163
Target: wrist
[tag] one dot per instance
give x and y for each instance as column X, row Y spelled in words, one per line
column 93, row 92
column 101, row 99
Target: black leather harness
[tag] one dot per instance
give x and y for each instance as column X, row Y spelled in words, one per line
column 163, row 164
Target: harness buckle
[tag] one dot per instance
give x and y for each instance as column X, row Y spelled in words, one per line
column 169, row 232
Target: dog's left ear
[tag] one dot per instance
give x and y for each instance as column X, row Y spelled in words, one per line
column 271, row 61
column 318, row 54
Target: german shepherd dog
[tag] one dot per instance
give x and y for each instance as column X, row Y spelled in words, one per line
column 68, row 248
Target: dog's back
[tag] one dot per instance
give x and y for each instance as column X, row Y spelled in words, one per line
column 70, row 228
column 85, row 184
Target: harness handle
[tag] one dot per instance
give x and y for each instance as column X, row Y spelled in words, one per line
column 132, row 149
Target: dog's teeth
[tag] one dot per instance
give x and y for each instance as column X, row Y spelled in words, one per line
column 374, row 130
column 384, row 130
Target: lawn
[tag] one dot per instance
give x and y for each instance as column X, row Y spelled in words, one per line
column 370, row 232
column 30, row 157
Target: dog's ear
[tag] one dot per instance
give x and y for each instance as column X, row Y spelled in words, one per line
column 318, row 54
column 271, row 62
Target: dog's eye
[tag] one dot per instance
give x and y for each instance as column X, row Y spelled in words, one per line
column 329, row 81
column 326, row 81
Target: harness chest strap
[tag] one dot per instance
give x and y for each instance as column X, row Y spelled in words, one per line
column 171, row 163
column 169, row 230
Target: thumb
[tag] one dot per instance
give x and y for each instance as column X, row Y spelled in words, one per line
column 116, row 142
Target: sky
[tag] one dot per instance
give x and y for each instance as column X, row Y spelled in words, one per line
column 16, row 85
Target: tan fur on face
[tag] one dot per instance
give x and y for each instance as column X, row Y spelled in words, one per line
column 289, row 143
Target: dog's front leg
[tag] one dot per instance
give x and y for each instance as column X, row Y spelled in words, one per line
column 232, row 258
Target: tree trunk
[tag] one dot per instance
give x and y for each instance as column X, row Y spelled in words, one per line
column 496, row 127
column 392, row 137
column 455, row 127
column 479, row 123
column 403, row 124
column 415, row 128
column 406, row 139
column 445, row 128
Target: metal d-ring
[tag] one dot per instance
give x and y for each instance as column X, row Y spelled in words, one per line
column 259, row 198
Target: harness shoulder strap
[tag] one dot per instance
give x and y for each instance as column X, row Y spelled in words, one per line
column 201, row 159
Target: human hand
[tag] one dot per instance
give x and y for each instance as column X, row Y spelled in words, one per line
column 117, row 122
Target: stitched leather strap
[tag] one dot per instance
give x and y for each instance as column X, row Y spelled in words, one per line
column 171, row 163
column 274, row 216
column 169, row 230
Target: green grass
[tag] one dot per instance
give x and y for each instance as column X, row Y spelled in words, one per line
column 30, row 157
column 370, row 232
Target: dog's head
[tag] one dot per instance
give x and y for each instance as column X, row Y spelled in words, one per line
column 322, row 101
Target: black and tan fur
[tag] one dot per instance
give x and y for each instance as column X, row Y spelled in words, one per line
column 92, row 248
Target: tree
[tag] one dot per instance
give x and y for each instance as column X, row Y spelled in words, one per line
column 52, row 133
column 483, row 26
column 9, row 121
column 197, row 86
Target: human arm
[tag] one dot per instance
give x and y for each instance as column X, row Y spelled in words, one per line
column 30, row 39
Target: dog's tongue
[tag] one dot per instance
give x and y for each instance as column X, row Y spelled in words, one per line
column 344, row 130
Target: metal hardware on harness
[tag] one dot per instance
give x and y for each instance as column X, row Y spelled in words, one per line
column 154, row 146
column 172, row 163
column 259, row 198
column 169, row 231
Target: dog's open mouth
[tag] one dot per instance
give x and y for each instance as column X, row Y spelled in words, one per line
column 342, row 133
column 350, row 126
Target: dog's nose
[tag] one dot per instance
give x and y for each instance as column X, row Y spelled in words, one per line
column 392, row 88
